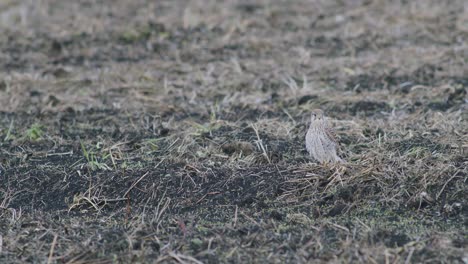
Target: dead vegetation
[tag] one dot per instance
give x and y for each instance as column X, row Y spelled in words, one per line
column 156, row 132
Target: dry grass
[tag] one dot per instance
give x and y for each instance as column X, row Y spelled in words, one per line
column 158, row 132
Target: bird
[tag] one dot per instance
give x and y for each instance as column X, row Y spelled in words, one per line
column 320, row 139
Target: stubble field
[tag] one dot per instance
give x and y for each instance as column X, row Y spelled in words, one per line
column 173, row 131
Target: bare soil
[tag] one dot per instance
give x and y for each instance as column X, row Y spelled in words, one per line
column 173, row 131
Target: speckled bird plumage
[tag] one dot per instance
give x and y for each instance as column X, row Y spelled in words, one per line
column 321, row 142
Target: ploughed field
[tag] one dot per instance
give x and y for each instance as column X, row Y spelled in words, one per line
column 173, row 131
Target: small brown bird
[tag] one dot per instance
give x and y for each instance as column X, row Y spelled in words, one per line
column 321, row 142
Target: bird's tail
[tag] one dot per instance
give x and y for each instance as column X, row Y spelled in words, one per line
column 339, row 160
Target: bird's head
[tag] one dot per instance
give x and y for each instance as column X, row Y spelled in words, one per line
column 317, row 114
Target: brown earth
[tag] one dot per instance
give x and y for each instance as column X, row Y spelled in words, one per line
column 173, row 131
